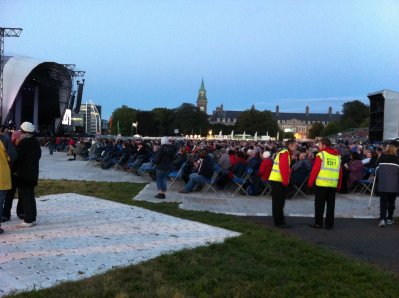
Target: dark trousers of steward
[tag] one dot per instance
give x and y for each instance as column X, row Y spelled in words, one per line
column 325, row 196
column 279, row 193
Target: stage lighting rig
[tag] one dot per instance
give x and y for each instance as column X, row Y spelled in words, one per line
column 5, row 32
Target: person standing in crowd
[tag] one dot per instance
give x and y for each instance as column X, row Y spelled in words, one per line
column 27, row 169
column 279, row 180
column 164, row 164
column 387, row 175
column 6, row 216
column 7, row 155
column 327, row 173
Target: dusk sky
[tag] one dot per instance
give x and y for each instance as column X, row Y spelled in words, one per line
column 148, row 54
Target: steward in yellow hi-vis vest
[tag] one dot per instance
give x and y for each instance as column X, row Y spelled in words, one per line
column 277, row 173
column 327, row 174
column 329, row 171
column 279, row 179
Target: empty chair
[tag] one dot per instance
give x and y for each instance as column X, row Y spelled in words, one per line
column 177, row 176
column 240, row 182
column 211, row 183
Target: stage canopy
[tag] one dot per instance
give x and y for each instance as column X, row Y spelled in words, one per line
column 35, row 91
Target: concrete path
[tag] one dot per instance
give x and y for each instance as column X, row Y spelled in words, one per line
column 346, row 206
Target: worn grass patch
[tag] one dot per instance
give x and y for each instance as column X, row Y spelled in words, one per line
column 260, row 263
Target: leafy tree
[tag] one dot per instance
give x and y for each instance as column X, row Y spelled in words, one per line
column 190, row 120
column 252, row 121
column 331, row 129
column 163, row 118
column 316, row 130
column 355, row 114
column 147, row 126
column 125, row 116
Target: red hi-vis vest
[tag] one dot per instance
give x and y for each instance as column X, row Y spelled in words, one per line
column 275, row 174
column 329, row 170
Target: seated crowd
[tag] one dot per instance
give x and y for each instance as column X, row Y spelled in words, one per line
column 198, row 160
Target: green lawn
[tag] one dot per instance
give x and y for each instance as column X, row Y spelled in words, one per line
column 260, row 263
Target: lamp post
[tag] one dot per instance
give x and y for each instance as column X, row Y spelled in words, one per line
column 135, row 124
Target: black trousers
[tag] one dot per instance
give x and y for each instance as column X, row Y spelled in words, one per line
column 279, row 192
column 387, row 203
column 29, row 203
column 324, row 196
column 9, row 200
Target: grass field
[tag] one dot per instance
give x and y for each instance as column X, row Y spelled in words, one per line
column 260, row 263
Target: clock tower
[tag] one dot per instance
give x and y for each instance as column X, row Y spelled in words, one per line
column 202, row 101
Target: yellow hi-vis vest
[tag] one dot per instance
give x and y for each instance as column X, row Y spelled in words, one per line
column 329, row 170
column 275, row 174
column 5, row 173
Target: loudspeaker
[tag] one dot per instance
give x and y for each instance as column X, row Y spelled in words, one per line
column 79, row 96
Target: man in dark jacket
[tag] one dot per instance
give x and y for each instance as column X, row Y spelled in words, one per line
column 163, row 162
column 205, row 171
column 27, row 168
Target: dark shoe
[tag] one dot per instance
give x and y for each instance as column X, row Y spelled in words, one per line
column 283, row 226
column 5, row 218
column 329, row 227
column 183, row 191
column 315, row 226
column 71, row 158
column 160, row 196
column 1, row 231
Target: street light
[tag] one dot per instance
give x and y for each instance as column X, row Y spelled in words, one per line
column 135, row 124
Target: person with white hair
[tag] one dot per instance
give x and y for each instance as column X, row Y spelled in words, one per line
column 27, row 168
column 265, row 166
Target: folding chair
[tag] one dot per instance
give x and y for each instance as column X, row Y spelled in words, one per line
column 364, row 186
column 209, row 183
column 267, row 188
column 135, row 165
column 118, row 162
column 239, row 182
column 298, row 189
column 177, row 176
column 146, row 168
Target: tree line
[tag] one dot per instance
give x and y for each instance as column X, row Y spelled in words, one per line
column 187, row 119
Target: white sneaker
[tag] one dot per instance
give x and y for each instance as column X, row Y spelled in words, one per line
column 390, row 221
column 382, row 223
column 26, row 224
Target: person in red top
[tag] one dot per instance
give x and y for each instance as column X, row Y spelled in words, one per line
column 265, row 166
column 327, row 173
column 279, row 179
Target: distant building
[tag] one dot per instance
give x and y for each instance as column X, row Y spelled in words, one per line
column 202, row 101
column 89, row 118
column 220, row 116
column 298, row 123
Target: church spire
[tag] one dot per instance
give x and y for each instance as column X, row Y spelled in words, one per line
column 202, row 88
column 202, row 101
